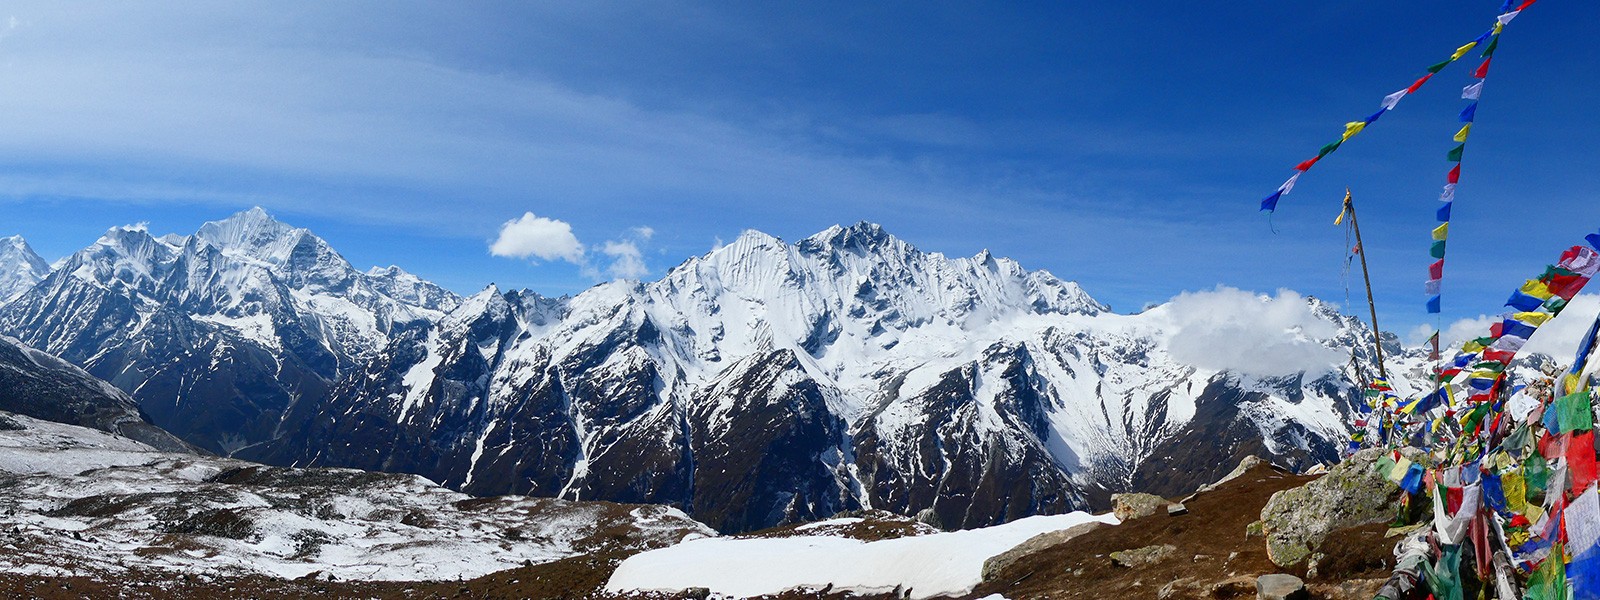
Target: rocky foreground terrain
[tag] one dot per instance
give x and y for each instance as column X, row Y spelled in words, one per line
column 87, row 514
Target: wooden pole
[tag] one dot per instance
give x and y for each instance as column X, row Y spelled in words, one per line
column 1377, row 341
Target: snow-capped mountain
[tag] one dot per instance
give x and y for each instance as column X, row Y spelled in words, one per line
column 768, row 382
column 764, row 382
column 20, row 267
column 217, row 333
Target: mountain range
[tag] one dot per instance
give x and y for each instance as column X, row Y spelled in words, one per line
column 764, row 382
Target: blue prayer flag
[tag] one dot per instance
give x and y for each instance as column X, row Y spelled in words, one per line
column 1375, row 115
column 1413, row 479
column 1444, row 212
column 1433, row 306
column 1524, row 302
column 1469, row 113
column 1594, row 240
column 1515, row 328
column 1271, row 202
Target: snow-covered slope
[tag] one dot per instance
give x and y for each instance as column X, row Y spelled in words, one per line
column 20, row 267
column 42, row 386
column 217, row 333
column 83, row 502
column 768, row 382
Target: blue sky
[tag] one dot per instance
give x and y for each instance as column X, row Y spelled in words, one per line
column 1122, row 145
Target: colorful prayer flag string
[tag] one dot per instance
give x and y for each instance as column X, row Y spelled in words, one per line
column 1351, row 129
column 1472, row 93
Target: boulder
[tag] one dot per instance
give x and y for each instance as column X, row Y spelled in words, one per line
column 1139, row 557
column 999, row 562
column 1248, row 463
column 1280, row 587
column 1174, row 510
column 1133, row 506
column 1296, row 521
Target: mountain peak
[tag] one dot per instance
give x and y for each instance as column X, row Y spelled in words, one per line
column 250, row 228
column 20, row 267
column 864, row 235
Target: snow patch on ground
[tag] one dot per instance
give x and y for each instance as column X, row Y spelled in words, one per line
column 928, row 566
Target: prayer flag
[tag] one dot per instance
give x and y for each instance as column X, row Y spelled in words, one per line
column 1537, row 289
column 1505, row 19
column 1352, row 128
column 1482, row 72
column 1328, row 149
column 1431, row 287
column 1463, row 50
column 1444, row 212
column 1580, row 460
column 1449, row 194
column 1575, row 412
column 1471, row 92
column 1441, row 232
column 1436, row 270
column 1306, row 166
column 1392, row 100
column 1437, row 250
column 1455, row 153
column 1455, row 175
column 1580, row 260
column 1441, row 65
column 1434, row 307
column 1369, row 120
column 1469, row 113
column 1418, row 84
column 1433, row 342
column 1593, row 239
column 1523, row 301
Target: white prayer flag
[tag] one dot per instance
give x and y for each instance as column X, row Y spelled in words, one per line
column 1472, row 92
column 1449, row 194
column 1391, row 100
column 1506, row 18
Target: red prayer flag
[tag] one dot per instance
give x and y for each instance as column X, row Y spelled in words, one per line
column 1418, row 84
column 1580, row 460
column 1500, row 356
column 1306, row 166
column 1483, row 69
column 1497, row 330
column 1455, row 174
column 1552, row 447
column 1566, row 286
column 1436, row 270
column 1527, row 4
column 1452, row 500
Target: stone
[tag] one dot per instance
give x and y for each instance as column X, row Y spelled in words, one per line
column 999, row 562
column 1297, row 521
column 1139, row 557
column 1248, row 463
column 1133, row 506
column 1174, row 510
column 1280, row 587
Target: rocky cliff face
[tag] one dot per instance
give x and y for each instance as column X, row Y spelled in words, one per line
column 41, row 386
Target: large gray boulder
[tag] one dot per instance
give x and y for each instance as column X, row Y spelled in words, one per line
column 1048, row 539
column 1297, row 521
column 1133, row 506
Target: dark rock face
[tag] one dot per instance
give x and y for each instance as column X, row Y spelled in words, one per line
column 766, row 448
column 971, row 465
column 41, row 386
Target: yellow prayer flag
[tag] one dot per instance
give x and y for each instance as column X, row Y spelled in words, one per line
column 1441, row 232
column 1461, row 136
column 1499, row 27
column 1537, row 289
column 1533, row 512
column 1352, row 128
column 1515, row 490
column 1399, row 470
column 1472, row 347
column 1533, row 318
column 1462, row 51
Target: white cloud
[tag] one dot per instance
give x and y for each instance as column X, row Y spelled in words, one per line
column 628, row 262
column 1254, row 334
column 532, row 236
column 644, row 232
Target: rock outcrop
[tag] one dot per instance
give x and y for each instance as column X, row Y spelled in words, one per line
column 1296, row 521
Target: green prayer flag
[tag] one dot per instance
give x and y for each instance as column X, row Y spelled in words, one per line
column 1490, row 365
column 1440, row 66
column 1552, row 271
column 1575, row 412
column 1455, row 153
column 1383, row 466
column 1328, row 149
column 1549, row 581
column 1494, row 43
column 1444, row 577
column 1437, row 251
column 1485, row 341
column 1536, row 475
column 1555, row 304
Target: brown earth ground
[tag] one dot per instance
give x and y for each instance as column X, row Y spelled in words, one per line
column 1215, row 559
